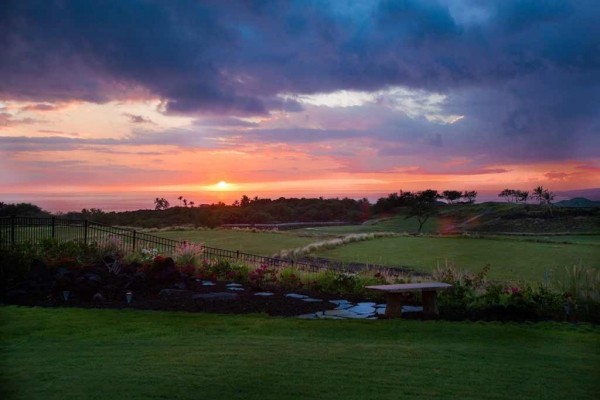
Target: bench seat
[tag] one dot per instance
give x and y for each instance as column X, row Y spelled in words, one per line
column 394, row 295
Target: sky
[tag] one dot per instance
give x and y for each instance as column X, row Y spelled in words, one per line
column 111, row 104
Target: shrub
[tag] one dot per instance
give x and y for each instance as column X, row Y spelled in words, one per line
column 581, row 283
column 54, row 253
column 466, row 286
column 143, row 256
column 188, row 253
column 345, row 283
column 290, row 279
column 112, row 247
column 238, row 273
column 263, row 277
column 224, row 270
column 15, row 262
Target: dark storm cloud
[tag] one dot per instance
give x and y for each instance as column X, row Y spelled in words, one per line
column 535, row 64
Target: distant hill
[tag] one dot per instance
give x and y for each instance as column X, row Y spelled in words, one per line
column 578, row 202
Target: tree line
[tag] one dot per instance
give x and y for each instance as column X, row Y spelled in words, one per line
column 540, row 194
column 420, row 205
column 403, row 199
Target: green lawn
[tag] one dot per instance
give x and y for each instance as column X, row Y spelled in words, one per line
column 261, row 243
column 126, row 354
column 576, row 239
column 510, row 259
column 397, row 224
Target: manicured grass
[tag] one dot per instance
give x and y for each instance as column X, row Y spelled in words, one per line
column 261, row 243
column 397, row 224
column 104, row 354
column 576, row 239
column 510, row 259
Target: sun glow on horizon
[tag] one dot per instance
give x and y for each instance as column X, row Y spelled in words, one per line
column 222, row 185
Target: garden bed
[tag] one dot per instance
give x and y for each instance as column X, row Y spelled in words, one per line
column 195, row 297
column 79, row 275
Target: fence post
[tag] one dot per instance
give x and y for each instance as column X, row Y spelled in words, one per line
column 53, row 227
column 12, row 232
column 134, row 239
column 85, row 231
column 237, row 254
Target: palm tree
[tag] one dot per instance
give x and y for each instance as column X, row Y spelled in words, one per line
column 544, row 196
column 185, row 202
column 538, row 194
column 192, row 204
column 180, row 198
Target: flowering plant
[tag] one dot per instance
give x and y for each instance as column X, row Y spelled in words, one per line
column 149, row 254
column 263, row 277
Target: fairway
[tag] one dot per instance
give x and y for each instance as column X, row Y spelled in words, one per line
column 261, row 243
column 510, row 259
column 398, row 224
column 100, row 354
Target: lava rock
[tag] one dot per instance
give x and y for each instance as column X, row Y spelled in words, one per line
column 98, row 298
column 17, row 296
column 215, row 296
column 39, row 271
column 175, row 294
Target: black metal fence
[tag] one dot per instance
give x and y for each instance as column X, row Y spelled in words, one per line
column 19, row 230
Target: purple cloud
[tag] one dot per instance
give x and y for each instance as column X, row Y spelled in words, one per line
column 523, row 73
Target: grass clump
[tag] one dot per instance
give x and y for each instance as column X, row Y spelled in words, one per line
column 332, row 244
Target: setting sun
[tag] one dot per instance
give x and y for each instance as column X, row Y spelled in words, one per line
column 222, row 185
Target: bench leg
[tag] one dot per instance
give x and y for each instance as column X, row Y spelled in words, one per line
column 430, row 302
column 393, row 308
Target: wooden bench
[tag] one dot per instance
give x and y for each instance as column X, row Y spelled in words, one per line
column 394, row 295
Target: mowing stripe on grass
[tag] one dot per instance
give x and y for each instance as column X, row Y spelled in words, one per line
column 79, row 353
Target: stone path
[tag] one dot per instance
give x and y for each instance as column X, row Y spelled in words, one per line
column 348, row 310
column 344, row 308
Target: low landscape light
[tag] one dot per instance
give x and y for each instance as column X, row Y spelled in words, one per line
column 129, row 296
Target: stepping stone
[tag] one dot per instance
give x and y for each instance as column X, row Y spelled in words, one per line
column 236, row 289
column 311, row 300
column 408, row 309
column 230, row 285
column 339, row 302
column 367, row 304
column 296, row 296
column 215, row 296
column 264, row 294
column 362, row 310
